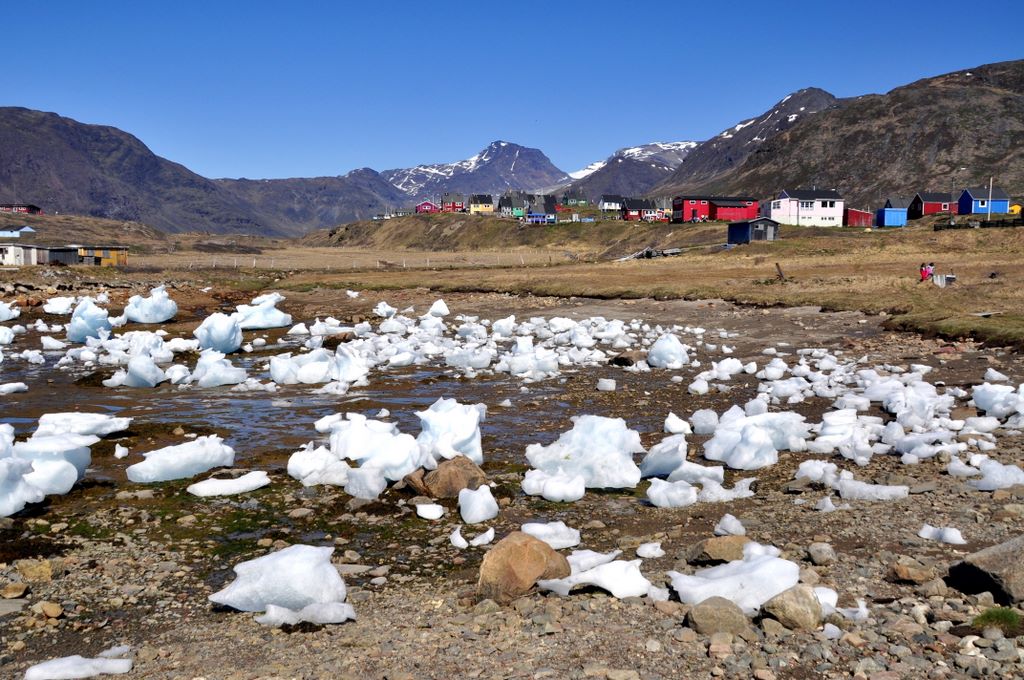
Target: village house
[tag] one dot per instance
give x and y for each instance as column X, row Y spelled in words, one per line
column 511, row 205
column 26, row 254
column 975, row 201
column 542, row 210
column 23, row 208
column 573, row 197
column 808, row 208
column 929, row 203
column 427, row 207
column 16, row 233
column 481, row 204
column 638, row 209
column 451, row 203
column 852, row 217
column 894, row 212
column 755, row 229
column 610, row 203
column 713, row 208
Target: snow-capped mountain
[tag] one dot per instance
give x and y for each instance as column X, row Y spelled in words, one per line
column 631, row 171
column 501, row 166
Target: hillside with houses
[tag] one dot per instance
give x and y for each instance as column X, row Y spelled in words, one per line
column 811, row 159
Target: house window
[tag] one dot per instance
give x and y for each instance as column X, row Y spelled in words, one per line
column 828, row 204
column 750, row 203
column 945, row 206
column 703, row 202
column 692, row 202
column 982, row 203
column 777, row 205
column 806, row 205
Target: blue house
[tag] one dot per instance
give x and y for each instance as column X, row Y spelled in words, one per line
column 894, row 213
column 757, row 229
column 16, row 233
column 974, row 201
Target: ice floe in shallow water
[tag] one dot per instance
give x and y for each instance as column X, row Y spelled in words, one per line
column 182, row 460
column 314, row 465
column 745, row 442
column 15, row 491
column 214, row 370
column 477, row 506
column 262, row 313
column 597, row 448
column 158, row 307
column 451, row 429
column 748, row 583
column 219, row 332
column 77, row 666
column 13, row 387
column 941, row 534
column 229, row 487
column 87, row 321
column 8, row 311
column 555, row 534
column 299, row 579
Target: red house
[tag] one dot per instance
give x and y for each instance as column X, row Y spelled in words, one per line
column 23, row 208
column 931, row 202
column 857, row 218
column 451, row 203
column 637, row 209
column 428, row 207
column 713, row 208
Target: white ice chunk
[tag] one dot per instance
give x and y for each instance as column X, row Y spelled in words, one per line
column 605, row 385
column 749, row 583
column 87, row 321
column 318, row 613
column 664, row 494
column 729, row 526
column 219, row 332
column 262, row 313
column 992, row 375
column 667, row 352
column 317, row 465
column 157, row 308
column 229, row 487
column 477, row 506
column 555, row 534
column 483, row 539
column 439, row 309
column 650, row 550
column 60, row 305
column 293, row 578
column 558, row 487
column 941, row 534
column 451, row 429
column 457, row 540
column 429, row 510
column 676, row 425
column 620, row 578
column 597, row 448
column 182, row 460
column 76, row 666
column 15, row 491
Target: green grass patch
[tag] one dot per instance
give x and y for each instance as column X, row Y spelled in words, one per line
column 1003, row 618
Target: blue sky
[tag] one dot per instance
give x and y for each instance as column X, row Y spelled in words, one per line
column 264, row 89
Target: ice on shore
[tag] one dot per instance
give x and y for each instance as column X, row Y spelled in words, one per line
column 667, row 352
column 76, row 666
column 59, row 305
column 317, row 613
column 664, row 494
column 293, row 578
column 745, row 442
column 214, row 370
column 620, row 578
column 457, row 540
column 157, row 308
column 665, row 457
column 729, row 526
column 12, row 388
column 262, row 313
column 483, row 539
column 451, row 429
column 384, row 310
column 597, row 448
column 555, row 534
column 229, row 487
column 219, row 332
column 558, row 487
column 8, row 311
column 941, row 534
column 87, row 321
column 182, row 460
column 377, row 446
column 676, row 425
column 438, row 309
column 97, row 424
column 650, row 550
column 314, row 465
column 748, row 583
column 855, row 490
column 429, row 510
column 477, row 506
column 15, row 491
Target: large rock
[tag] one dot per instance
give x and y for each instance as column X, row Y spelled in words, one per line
column 998, row 569
column 718, row 615
column 450, row 477
column 514, row 564
column 796, row 608
column 908, row 570
column 716, row 550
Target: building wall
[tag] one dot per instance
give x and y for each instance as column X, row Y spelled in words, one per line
column 857, row 218
column 892, row 217
column 731, row 214
column 481, row 208
column 806, row 213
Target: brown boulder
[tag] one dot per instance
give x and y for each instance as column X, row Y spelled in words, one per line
column 450, row 477
column 718, row 615
column 514, row 564
column 796, row 608
column 716, row 550
column 629, row 358
column 908, row 570
column 997, row 569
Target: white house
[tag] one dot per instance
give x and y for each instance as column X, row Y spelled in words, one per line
column 16, row 233
column 20, row 254
column 807, row 208
column 610, row 202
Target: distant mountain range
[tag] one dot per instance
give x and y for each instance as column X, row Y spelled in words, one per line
column 955, row 129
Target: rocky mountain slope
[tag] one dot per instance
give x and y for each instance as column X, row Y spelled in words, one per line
column 501, row 166
column 730, row 148
column 632, row 171
column 955, row 129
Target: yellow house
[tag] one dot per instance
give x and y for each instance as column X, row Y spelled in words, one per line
column 1015, row 209
column 103, row 256
column 481, row 204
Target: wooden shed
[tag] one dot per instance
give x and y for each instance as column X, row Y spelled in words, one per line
column 757, row 229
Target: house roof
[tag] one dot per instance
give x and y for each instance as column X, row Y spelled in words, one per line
column 719, row 200
column 481, row 198
column 611, row 198
column 731, row 202
column 979, row 193
column 637, row 204
column 898, row 202
column 756, row 220
column 935, row 196
column 812, row 194
column 453, row 198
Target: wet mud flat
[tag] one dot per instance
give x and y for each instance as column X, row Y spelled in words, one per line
column 133, row 564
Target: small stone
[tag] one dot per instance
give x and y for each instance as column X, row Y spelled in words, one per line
column 796, row 608
column 908, row 570
column 187, row 520
column 51, row 610
column 684, row 635
column 299, row 513
column 763, row 674
column 652, row 646
column 670, row 608
column 14, row 590
column 716, row 550
column 622, row 674
column 716, row 615
column 39, row 571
